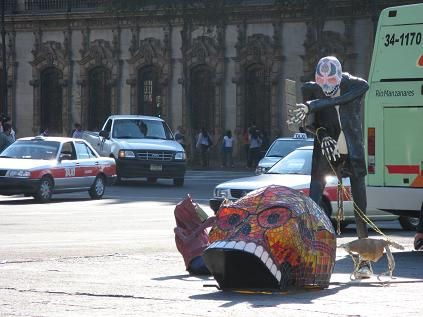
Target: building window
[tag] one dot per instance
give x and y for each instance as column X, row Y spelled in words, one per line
column 257, row 98
column 202, row 99
column 51, row 102
column 100, row 97
column 148, row 92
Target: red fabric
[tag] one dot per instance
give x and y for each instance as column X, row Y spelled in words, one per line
column 190, row 234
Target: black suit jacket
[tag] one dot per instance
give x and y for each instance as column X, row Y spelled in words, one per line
column 323, row 114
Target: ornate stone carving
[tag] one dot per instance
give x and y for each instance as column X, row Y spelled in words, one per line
column 330, row 43
column 209, row 52
column 150, row 52
column 258, row 49
column 11, row 68
column 99, row 53
column 50, row 54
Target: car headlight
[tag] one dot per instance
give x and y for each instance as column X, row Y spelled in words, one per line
column 222, row 192
column 18, row 173
column 126, row 154
column 260, row 170
column 180, row 156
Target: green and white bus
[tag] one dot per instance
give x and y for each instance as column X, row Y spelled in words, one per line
column 394, row 113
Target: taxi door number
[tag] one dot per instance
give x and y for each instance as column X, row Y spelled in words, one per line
column 69, row 172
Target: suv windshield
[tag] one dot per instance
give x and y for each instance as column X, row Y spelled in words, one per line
column 28, row 149
column 281, row 148
column 141, row 129
column 297, row 162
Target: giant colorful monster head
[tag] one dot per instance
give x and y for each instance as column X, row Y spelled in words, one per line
column 329, row 75
column 274, row 237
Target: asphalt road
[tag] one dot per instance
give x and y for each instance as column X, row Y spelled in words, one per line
column 117, row 257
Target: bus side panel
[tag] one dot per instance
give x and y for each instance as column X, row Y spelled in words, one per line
column 403, row 146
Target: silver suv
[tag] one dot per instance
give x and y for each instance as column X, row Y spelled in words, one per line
column 280, row 148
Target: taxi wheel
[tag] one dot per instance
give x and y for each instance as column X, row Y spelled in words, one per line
column 408, row 223
column 45, row 191
column 97, row 189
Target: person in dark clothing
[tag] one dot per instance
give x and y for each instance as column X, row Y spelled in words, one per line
column 255, row 145
column 332, row 106
column 418, row 238
column 204, row 142
column 6, row 137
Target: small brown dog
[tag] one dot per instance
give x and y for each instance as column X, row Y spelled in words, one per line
column 371, row 250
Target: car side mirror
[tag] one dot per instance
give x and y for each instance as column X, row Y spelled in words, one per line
column 104, row 134
column 64, row 157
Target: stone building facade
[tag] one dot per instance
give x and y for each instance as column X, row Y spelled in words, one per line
column 75, row 61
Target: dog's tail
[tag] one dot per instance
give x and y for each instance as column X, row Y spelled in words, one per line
column 396, row 245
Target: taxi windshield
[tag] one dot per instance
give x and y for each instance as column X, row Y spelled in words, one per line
column 281, row 148
column 29, row 149
column 297, row 162
column 140, row 129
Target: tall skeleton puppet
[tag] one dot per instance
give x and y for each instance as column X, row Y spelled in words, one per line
column 332, row 109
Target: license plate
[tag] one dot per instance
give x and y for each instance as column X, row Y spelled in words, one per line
column 155, row 167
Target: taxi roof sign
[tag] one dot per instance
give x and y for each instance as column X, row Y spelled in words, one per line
column 300, row 136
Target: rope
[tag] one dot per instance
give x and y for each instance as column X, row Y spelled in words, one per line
column 343, row 191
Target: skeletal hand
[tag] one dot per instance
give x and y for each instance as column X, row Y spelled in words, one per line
column 330, row 148
column 299, row 114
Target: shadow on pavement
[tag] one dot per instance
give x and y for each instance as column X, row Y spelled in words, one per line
column 407, row 265
column 185, row 277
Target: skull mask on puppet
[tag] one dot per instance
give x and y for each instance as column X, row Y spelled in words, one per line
column 328, row 75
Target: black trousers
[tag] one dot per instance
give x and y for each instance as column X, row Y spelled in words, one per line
column 358, row 189
column 420, row 224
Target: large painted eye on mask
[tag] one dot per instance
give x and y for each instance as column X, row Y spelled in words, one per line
column 274, row 217
column 229, row 218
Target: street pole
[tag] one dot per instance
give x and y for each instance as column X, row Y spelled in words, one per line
column 374, row 16
column 4, row 68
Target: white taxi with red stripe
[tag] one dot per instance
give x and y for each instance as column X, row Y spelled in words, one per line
column 42, row 166
column 294, row 171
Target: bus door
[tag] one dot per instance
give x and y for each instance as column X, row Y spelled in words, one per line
column 403, row 145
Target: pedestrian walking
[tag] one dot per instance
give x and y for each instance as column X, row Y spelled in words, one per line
column 77, row 132
column 227, row 149
column 204, row 142
column 44, row 132
column 180, row 136
column 246, row 144
column 6, row 137
column 254, row 152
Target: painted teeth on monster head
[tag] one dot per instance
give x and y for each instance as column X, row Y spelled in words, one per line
column 259, row 251
column 278, row 276
column 250, row 247
column 264, row 256
column 221, row 244
column 240, row 245
column 230, row 245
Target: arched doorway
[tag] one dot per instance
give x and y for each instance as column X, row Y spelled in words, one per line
column 100, row 97
column 257, row 101
column 1, row 91
column 202, row 99
column 148, row 92
column 51, row 101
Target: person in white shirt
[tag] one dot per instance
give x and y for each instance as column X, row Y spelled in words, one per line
column 77, row 133
column 255, row 145
column 227, row 149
